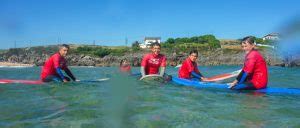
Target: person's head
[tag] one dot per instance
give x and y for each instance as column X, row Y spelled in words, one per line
column 193, row 55
column 63, row 49
column 125, row 66
column 124, row 63
column 248, row 44
column 155, row 48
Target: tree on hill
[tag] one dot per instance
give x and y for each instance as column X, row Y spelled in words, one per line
column 198, row 42
column 135, row 46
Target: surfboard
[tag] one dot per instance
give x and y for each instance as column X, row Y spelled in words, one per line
column 96, row 80
column 12, row 81
column 223, row 76
column 178, row 66
column 198, row 84
column 39, row 82
column 152, row 77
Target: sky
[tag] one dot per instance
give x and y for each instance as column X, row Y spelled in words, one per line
column 25, row 23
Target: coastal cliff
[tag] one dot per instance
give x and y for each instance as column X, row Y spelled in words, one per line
column 226, row 55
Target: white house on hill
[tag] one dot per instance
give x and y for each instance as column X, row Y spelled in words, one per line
column 149, row 40
column 272, row 36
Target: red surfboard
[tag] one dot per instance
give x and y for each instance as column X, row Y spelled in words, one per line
column 223, row 76
column 11, row 81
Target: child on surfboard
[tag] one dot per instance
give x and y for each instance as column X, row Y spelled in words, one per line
column 189, row 67
column 152, row 62
column 254, row 74
column 51, row 70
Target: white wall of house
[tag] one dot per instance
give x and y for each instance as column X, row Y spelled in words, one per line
column 147, row 42
column 143, row 46
column 270, row 38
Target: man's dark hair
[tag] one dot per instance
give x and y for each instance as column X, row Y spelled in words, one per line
column 194, row 51
column 122, row 61
column 64, row 45
column 155, row 44
column 248, row 39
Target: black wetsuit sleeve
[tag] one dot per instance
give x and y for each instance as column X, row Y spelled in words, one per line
column 242, row 77
column 69, row 73
column 239, row 76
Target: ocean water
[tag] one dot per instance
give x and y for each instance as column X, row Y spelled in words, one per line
column 124, row 101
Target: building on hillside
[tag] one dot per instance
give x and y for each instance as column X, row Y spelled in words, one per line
column 272, row 36
column 149, row 40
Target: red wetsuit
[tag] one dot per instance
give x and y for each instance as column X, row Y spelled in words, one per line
column 51, row 64
column 256, row 68
column 187, row 68
column 152, row 62
column 125, row 68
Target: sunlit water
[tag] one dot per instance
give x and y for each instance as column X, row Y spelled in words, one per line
column 126, row 102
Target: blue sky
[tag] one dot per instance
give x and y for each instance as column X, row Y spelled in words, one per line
column 110, row 22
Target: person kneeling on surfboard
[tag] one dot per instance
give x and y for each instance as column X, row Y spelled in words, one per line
column 52, row 68
column 254, row 74
column 189, row 67
column 153, row 61
column 125, row 66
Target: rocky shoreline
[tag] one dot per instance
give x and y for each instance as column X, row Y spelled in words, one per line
column 214, row 57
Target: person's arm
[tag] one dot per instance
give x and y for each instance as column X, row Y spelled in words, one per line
column 59, row 72
column 163, row 66
column 240, row 79
column 69, row 73
column 247, row 69
column 56, row 61
column 143, row 65
column 143, row 71
column 197, row 75
column 162, row 71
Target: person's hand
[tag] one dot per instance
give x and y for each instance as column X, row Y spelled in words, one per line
column 65, row 80
column 203, row 79
column 231, row 85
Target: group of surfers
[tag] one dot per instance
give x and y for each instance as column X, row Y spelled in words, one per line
column 254, row 74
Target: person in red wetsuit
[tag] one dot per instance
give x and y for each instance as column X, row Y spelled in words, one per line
column 189, row 67
column 153, row 61
column 125, row 66
column 52, row 68
column 254, row 74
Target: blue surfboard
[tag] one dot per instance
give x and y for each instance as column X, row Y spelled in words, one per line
column 198, row 84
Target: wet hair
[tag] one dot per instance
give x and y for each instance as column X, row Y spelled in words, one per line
column 248, row 39
column 122, row 61
column 155, row 44
column 64, row 46
column 194, row 51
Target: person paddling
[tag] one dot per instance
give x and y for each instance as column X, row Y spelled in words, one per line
column 254, row 74
column 52, row 69
column 189, row 68
column 152, row 62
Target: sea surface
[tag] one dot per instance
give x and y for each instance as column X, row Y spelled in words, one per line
column 123, row 101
